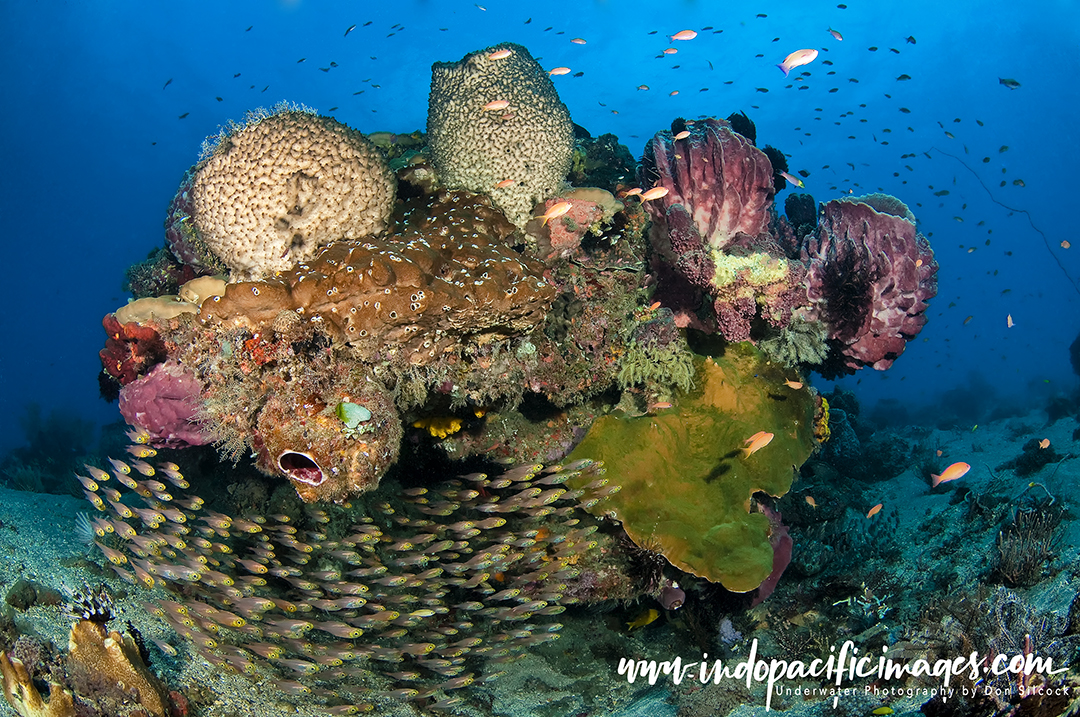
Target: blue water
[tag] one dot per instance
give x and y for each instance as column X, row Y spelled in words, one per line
column 106, row 106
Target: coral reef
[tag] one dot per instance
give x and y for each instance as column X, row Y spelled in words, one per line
column 497, row 127
column 685, row 478
column 281, row 186
column 445, row 281
column 870, row 274
column 165, row 404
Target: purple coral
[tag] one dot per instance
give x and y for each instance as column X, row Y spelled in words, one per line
column 710, row 232
column 165, row 403
column 870, row 274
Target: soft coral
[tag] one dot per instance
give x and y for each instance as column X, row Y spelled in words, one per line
column 131, row 350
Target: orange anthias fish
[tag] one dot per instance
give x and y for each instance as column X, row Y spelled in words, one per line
column 874, row 511
column 683, row 35
column 756, row 442
column 555, row 211
column 504, row 183
column 654, row 193
column 810, row 501
column 559, row 71
column 1044, row 443
column 793, row 385
column 956, row 470
column 682, row 135
column 497, row 105
column 797, row 59
column 500, row 54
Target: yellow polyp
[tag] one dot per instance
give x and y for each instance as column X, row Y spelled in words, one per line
column 439, row 426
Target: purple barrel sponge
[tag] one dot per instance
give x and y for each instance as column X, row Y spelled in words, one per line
column 722, row 180
column 710, row 232
column 165, row 403
column 870, row 274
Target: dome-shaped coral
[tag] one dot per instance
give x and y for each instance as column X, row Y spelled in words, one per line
column 279, row 188
column 497, row 127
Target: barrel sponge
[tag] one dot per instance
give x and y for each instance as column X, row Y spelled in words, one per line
column 527, row 144
column 282, row 185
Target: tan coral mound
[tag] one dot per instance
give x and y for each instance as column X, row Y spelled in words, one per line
column 446, row 281
column 115, row 658
column 23, row 696
column 528, row 142
column 280, row 188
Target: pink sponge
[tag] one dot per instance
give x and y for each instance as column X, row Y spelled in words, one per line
column 165, row 403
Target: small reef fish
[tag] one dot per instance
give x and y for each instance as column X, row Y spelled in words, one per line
column 556, row 211
column 654, row 193
column 496, row 105
column 756, row 443
column 141, row 451
column 578, row 41
column 956, row 470
column 1065, row 244
column 1009, row 321
column 797, row 59
column 682, row 135
column 500, row 54
column 559, row 71
column 351, row 28
column 794, row 180
column 836, row 35
column 670, row 51
column 874, row 511
column 683, row 35
column 810, row 501
column 138, row 435
column 632, row 192
column 643, row 619
column 1008, row 82
column 1044, row 443
column 504, row 183
column 793, row 385
column 882, row 711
